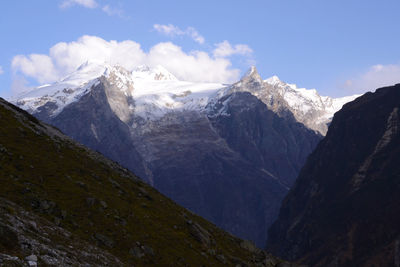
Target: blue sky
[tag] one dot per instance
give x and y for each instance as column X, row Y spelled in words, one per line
column 338, row 47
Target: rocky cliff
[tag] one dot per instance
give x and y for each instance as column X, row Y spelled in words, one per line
column 344, row 208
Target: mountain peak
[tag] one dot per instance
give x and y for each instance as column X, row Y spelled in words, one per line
column 157, row 73
column 91, row 62
column 141, row 68
column 162, row 73
column 273, row 80
column 85, row 72
column 251, row 71
column 91, row 70
column 252, row 74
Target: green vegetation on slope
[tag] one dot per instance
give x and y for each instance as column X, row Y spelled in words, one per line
column 101, row 203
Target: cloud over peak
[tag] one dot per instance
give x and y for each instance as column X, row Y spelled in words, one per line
column 225, row 49
column 63, row 58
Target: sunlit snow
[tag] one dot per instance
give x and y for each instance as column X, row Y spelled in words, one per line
column 156, row 91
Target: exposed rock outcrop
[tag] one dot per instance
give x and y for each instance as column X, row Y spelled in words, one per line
column 344, row 209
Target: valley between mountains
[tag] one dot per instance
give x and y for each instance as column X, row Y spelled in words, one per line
column 314, row 179
column 229, row 153
column 158, row 133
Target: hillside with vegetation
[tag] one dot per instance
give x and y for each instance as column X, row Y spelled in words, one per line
column 63, row 204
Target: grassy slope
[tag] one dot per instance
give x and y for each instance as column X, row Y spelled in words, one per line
column 86, row 194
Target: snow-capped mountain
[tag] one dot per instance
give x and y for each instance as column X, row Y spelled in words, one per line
column 157, row 92
column 158, row 73
column 227, row 152
column 307, row 106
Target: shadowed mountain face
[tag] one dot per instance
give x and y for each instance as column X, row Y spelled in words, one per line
column 228, row 158
column 62, row 204
column 92, row 122
column 229, row 168
column 344, row 209
column 275, row 145
column 232, row 168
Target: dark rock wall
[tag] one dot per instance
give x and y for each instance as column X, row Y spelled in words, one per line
column 344, row 208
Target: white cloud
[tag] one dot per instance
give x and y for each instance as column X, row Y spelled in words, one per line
column 109, row 10
column 169, row 30
column 1, row 70
column 172, row 31
column 192, row 32
column 35, row 65
column 113, row 11
column 377, row 76
column 193, row 66
column 63, row 58
column 225, row 49
column 84, row 3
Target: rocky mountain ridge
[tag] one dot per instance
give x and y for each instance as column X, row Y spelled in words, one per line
column 306, row 105
column 158, row 92
column 344, row 208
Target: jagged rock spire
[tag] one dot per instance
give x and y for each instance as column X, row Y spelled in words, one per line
column 252, row 75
